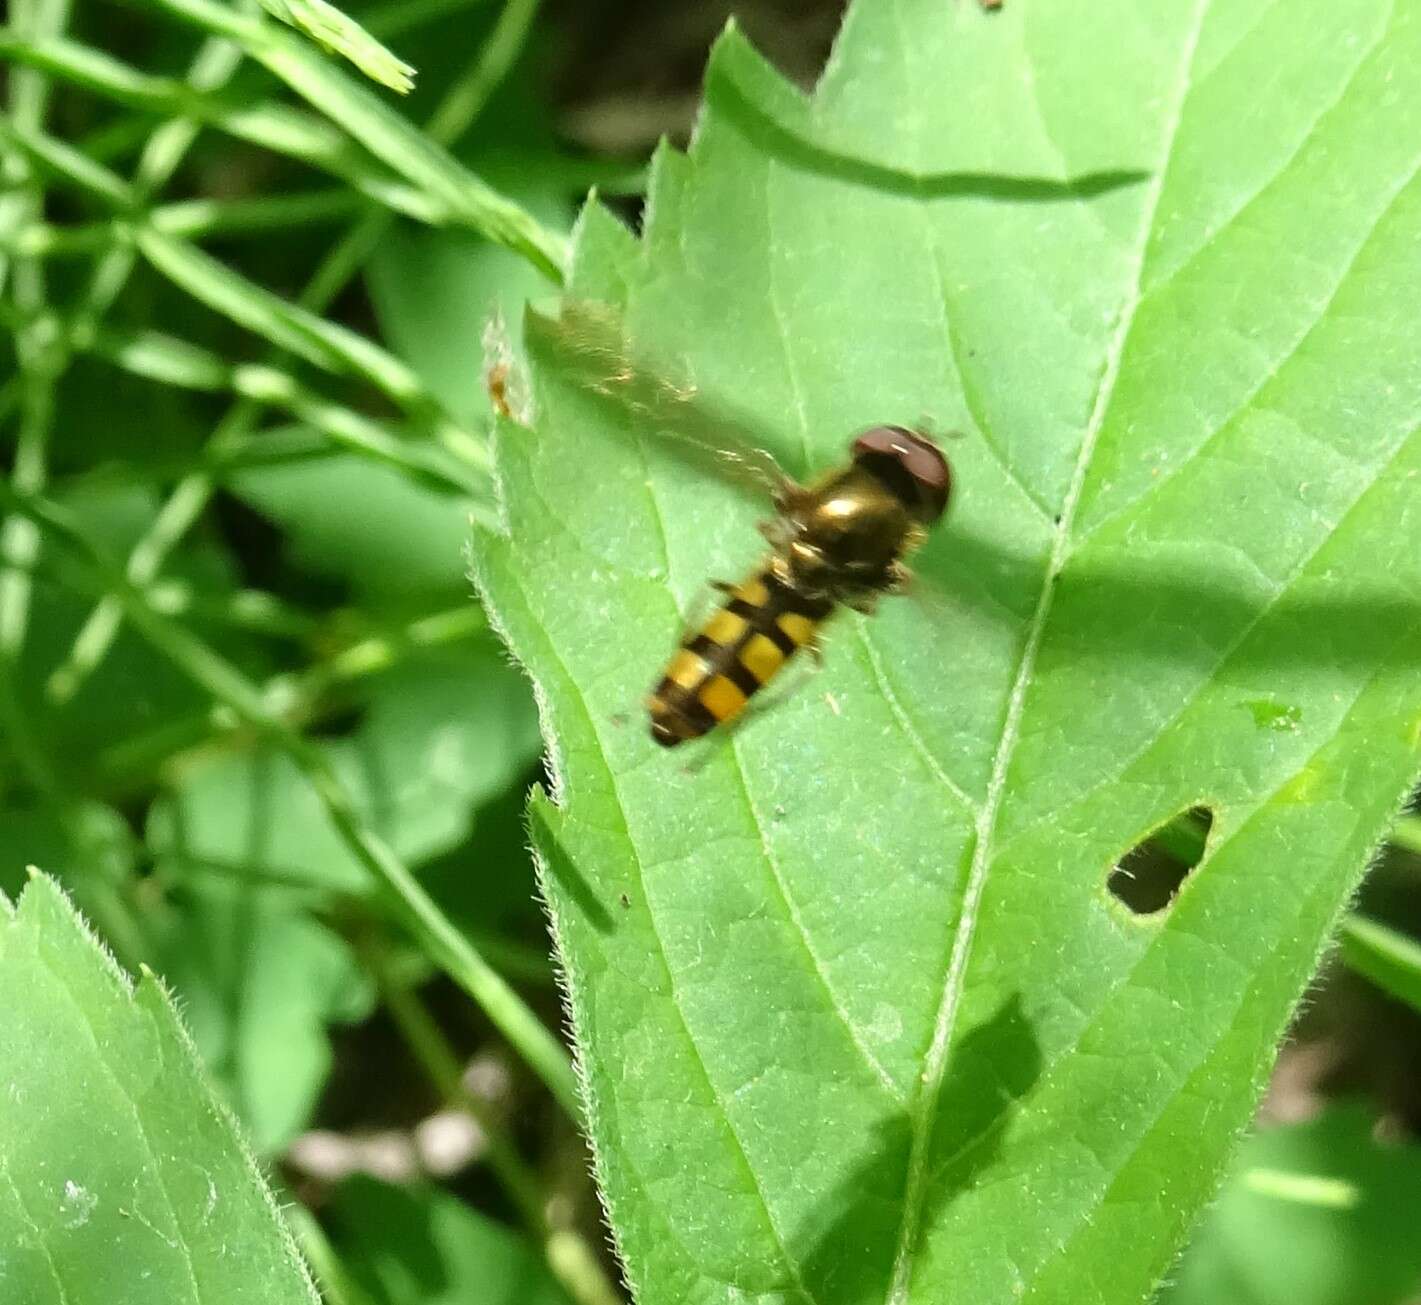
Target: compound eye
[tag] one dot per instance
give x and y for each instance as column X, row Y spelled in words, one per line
column 917, row 456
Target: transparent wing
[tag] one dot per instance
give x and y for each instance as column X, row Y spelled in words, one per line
column 589, row 345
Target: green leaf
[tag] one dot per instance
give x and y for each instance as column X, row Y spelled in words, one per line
column 341, row 33
column 858, row 1017
column 259, row 981
column 1389, row 959
column 444, row 733
column 130, row 686
column 406, row 543
column 1314, row 1214
column 421, row 1246
column 123, row 1179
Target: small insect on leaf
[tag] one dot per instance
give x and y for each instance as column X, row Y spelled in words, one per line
column 839, row 542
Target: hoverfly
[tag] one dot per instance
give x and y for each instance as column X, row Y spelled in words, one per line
column 840, row 541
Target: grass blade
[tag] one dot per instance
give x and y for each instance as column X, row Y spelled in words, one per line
column 277, row 127
column 328, row 345
column 334, row 30
column 454, row 115
column 1389, row 959
column 171, row 361
column 387, row 135
column 436, row 936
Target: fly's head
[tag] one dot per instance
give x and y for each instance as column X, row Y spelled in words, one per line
column 911, row 465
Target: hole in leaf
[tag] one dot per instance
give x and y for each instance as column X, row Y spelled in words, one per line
column 1152, row 872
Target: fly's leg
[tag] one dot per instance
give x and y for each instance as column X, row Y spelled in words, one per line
column 895, row 579
column 899, row 578
column 777, row 533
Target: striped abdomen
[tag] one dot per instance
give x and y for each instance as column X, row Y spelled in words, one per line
column 761, row 626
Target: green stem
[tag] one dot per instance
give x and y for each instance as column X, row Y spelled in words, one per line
column 415, row 156
column 245, row 609
column 1389, row 958
column 19, row 548
column 160, row 156
column 215, row 63
column 34, row 345
column 398, row 16
column 430, row 928
column 570, row 1259
column 276, row 446
column 436, row 1057
column 337, row 1286
column 191, row 219
column 1406, row 833
column 456, row 112
column 466, row 99
column 37, row 352
column 172, row 361
column 298, row 698
column 269, row 125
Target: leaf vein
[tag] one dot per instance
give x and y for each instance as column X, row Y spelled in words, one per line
column 1323, row 315
column 924, row 1115
column 1282, row 168
column 40, row 1240
column 905, row 722
column 158, row 1172
column 792, row 912
column 970, row 397
column 1119, row 1163
column 1280, row 591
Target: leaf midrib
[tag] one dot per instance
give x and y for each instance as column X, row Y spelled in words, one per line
column 1156, row 288
column 1019, row 1106
column 935, row 1068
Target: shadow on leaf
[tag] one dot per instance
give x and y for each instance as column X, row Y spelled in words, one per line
column 557, row 864
column 799, row 152
column 846, row 1247
column 1117, row 608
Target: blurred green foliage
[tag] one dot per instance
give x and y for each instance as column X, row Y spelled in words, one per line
column 1320, row 1213
column 252, row 718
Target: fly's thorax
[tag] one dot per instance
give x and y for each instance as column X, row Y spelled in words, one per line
column 847, row 531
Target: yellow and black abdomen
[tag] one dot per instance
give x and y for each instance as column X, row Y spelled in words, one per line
column 761, row 625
